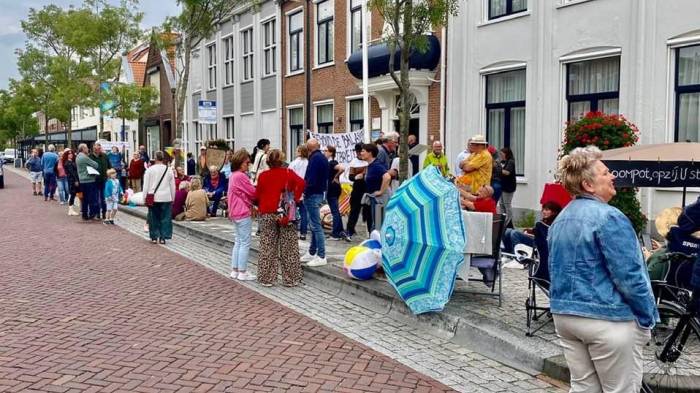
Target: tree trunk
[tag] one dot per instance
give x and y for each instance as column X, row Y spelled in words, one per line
column 404, row 90
column 182, row 88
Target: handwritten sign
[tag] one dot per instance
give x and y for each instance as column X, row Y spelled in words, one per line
column 344, row 143
column 655, row 174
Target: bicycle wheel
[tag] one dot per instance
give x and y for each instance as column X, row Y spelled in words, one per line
column 673, row 354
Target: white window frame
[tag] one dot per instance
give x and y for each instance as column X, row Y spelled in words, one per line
column 349, row 100
column 268, row 40
column 351, row 11
column 229, row 131
column 211, row 66
column 247, row 63
column 198, row 142
column 229, row 53
column 330, row 44
column 318, row 104
column 289, row 109
column 300, row 32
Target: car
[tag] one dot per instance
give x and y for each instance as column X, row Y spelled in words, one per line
column 9, row 155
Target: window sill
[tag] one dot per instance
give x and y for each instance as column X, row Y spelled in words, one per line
column 268, row 75
column 211, row 89
column 565, row 3
column 324, row 65
column 295, row 73
column 247, row 113
column 506, row 18
column 228, row 85
column 243, row 82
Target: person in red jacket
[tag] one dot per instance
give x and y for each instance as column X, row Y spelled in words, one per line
column 482, row 202
column 278, row 239
column 136, row 170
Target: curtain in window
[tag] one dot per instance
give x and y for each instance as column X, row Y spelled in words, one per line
column 296, row 116
column 497, row 118
column 689, row 117
column 689, row 66
column 517, row 138
column 594, row 76
column 322, row 53
column 498, row 7
column 324, row 114
column 519, row 5
column 578, row 109
column 506, row 87
column 609, row 106
column 356, row 110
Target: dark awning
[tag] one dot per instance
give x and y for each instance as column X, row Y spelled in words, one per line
column 378, row 59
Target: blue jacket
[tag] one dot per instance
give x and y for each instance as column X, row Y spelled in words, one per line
column 34, row 164
column 115, row 160
column 109, row 188
column 221, row 188
column 49, row 161
column 316, row 177
column 596, row 265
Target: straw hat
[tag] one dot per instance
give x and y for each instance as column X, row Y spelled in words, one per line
column 478, row 140
column 666, row 219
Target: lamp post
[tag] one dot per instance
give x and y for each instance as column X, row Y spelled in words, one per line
column 365, row 67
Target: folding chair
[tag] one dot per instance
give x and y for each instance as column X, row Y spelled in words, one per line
column 490, row 265
column 538, row 280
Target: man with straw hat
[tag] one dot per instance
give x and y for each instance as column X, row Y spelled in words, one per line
column 478, row 166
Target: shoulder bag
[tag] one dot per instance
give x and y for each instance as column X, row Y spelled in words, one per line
column 287, row 207
column 151, row 197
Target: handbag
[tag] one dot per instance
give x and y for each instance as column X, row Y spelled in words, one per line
column 151, row 197
column 287, row 210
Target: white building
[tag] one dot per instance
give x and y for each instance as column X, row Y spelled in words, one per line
column 238, row 68
column 518, row 69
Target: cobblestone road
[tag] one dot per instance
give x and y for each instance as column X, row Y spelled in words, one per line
column 96, row 308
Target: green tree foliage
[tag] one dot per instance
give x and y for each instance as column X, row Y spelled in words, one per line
column 132, row 102
column 608, row 132
column 16, row 115
column 407, row 23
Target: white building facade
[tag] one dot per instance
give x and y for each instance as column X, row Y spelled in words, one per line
column 519, row 69
column 238, row 67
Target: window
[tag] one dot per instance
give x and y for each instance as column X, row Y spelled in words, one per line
column 154, row 80
column 500, row 8
column 198, row 136
column 324, row 32
column 356, row 115
column 296, row 44
column 296, row 127
column 505, row 113
column 593, row 85
column 228, row 125
column 688, row 94
column 247, row 37
column 355, row 25
column 324, row 118
column 269, row 45
column 228, row 61
column 211, row 66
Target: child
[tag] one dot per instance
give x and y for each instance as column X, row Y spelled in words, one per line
column 113, row 192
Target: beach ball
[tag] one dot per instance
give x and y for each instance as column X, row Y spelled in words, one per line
column 372, row 244
column 361, row 262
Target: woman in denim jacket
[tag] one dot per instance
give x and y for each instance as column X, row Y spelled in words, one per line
column 601, row 297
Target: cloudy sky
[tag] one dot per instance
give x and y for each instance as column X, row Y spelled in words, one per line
column 13, row 11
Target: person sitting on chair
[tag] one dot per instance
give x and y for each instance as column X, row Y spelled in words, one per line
column 482, row 202
column 214, row 185
column 512, row 237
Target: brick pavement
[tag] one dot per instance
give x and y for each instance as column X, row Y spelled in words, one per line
column 91, row 308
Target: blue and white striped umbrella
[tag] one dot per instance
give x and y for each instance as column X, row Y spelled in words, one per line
column 423, row 240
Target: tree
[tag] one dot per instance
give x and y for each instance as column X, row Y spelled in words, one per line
column 132, row 102
column 197, row 21
column 16, row 115
column 407, row 23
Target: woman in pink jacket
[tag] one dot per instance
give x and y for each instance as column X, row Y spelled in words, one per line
column 241, row 195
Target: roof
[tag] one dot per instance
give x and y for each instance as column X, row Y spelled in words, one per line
column 137, row 58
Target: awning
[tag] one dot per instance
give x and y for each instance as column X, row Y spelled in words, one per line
column 378, row 59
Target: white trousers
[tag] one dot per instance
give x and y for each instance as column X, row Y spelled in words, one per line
column 603, row 356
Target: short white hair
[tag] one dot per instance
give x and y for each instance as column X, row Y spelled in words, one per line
column 391, row 136
column 52, row 147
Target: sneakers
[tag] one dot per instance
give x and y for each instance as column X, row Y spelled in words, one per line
column 335, row 238
column 317, row 261
column 245, row 276
column 307, row 257
column 234, row 275
column 302, row 237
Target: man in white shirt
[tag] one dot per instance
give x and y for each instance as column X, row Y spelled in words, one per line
column 460, row 158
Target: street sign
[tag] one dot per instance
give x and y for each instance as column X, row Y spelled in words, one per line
column 206, row 112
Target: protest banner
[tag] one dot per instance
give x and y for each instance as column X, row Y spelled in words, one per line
column 344, row 143
column 630, row 173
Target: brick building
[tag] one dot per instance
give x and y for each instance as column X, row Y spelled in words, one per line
column 319, row 93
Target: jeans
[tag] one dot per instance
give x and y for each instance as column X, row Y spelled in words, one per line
column 100, row 190
column 243, row 229
column 337, row 218
column 313, row 209
column 303, row 219
column 497, row 190
column 160, row 222
column 216, row 198
column 62, row 183
column 356, row 207
column 49, row 184
column 513, row 237
column 89, row 207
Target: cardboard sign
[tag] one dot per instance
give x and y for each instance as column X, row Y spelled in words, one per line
column 215, row 157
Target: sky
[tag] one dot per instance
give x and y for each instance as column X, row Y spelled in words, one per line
column 13, row 11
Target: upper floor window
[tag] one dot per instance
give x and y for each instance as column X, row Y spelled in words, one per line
column 324, row 118
column 211, row 66
column 500, row 8
column 296, row 41
column 505, row 113
column 247, row 38
column 355, row 25
column 154, row 80
column 688, row 94
column 296, row 127
column 228, row 125
column 324, row 32
column 593, row 86
column 356, row 115
column 228, row 60
column 269, row 46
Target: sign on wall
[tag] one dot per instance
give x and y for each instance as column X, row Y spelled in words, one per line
column 344, row 143
column 206, row 111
